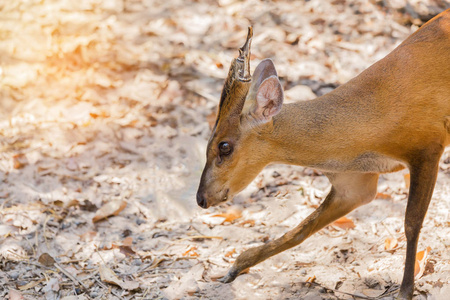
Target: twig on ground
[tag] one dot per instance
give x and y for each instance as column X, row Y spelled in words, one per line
column 152, row 266
column 44, row 229
column 105, row 287
column 193, row 237
column 18, row 255
column 71, row 277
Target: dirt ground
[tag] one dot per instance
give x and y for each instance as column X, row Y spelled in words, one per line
column 106, row 108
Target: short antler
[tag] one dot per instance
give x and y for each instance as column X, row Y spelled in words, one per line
column 244, row 57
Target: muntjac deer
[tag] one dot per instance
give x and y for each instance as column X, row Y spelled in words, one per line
column 394, row 115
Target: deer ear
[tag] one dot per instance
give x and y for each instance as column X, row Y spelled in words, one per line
column 269, row 99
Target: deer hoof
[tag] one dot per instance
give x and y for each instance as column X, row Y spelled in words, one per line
column 230, row 277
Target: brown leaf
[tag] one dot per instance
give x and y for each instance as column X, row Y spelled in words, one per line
column 112, row 208
column 46, row 260
column 310, row 280
column 127, row 250
column 390, row 243
column 246, row 271
column 383, row 196
column 19, row 161
column 128, row 241
column 230, row 253
column 344, row 223
column 421, row 261
column 407, row 179
column 191, row 252
column 250, row 223
column 231, row 215
column 100, row 114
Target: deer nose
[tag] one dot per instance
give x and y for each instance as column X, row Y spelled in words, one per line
column 201, row 200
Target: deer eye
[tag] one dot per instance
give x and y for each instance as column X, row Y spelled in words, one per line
column 225, row 148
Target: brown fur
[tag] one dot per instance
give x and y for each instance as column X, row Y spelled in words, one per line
column 393, row 115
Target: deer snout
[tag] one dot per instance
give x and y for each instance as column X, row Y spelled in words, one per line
column 201, row 199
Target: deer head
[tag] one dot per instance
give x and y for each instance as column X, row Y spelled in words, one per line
column 236, row 152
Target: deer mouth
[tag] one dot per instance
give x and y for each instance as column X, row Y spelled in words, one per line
column 225, row 197
column 202, row 199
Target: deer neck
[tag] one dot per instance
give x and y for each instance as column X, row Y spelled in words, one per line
column 331, row 127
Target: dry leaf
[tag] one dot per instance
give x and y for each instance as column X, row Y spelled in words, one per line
column 230, row 253
column 231, row 215
column 128, row 241
column 191, row 252
column 7, row 230
column 19, row 161
column 30, row 284
column 245, row 271
column 390, row 243
column 15, row 295
column 46, row 259
column 88, row 236
column 125, row 248
column 108, row 275
column 130, row 285
column 344, row 223
column 310, row 280
column 12, row 252
column 421, row 261
column 112, row 208
column 372, row 292
column 100, row 114
column 247, row 223
column 407, row 179
column 383, row 196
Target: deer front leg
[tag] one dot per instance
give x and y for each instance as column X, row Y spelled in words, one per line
column 423, row 178
column 349, row 190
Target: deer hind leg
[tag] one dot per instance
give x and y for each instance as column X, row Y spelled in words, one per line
column 349, row 190
column 424, row 172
